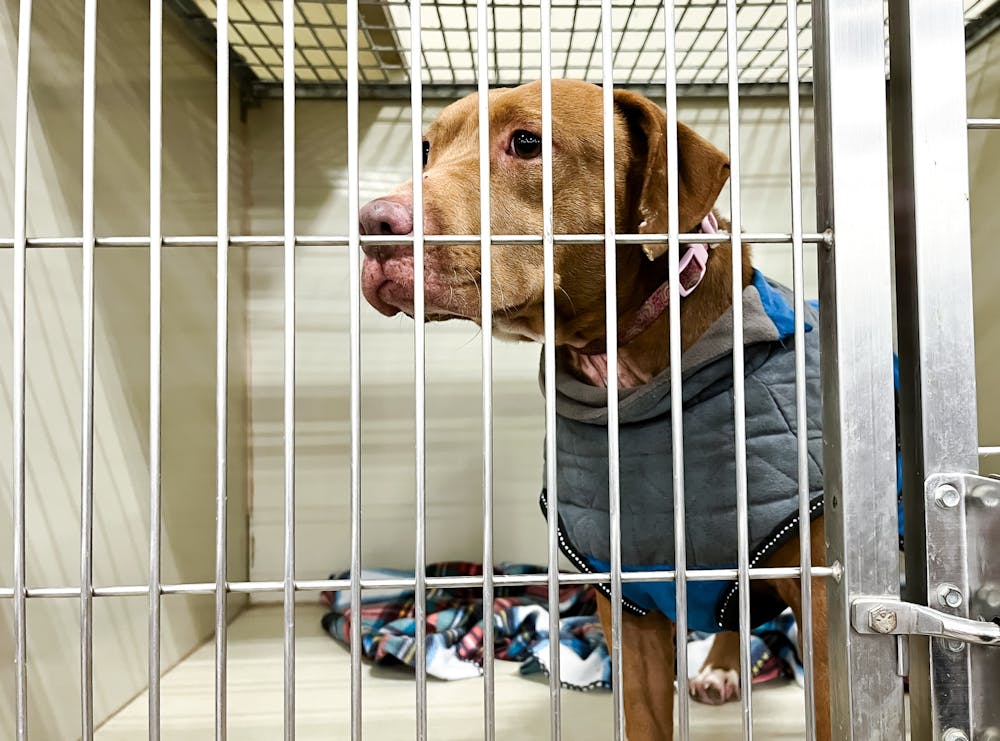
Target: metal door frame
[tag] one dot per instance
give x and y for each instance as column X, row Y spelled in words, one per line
column 944, row 527
column 949, row 679
column 866, row 693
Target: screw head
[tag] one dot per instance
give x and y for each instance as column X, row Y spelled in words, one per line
column 946, row 496
column 949, row 596
column 881, row 619
column 954, row 734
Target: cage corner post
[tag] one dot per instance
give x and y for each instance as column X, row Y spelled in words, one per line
column 936, row 350
column 866, row 694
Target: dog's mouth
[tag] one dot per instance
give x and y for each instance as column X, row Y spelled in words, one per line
column 449, row 292
column 387, row 296
column 388, row 285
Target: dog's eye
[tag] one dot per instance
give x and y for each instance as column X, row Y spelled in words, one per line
column 526, row 145
column 427, row 152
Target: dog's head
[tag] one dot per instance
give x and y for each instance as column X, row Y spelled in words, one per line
column 451, row 206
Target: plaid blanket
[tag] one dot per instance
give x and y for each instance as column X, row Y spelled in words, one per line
column 521, row 629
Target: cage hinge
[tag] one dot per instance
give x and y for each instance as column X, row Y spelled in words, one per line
column 874, row 615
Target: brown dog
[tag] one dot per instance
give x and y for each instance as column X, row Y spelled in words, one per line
column 451, row 206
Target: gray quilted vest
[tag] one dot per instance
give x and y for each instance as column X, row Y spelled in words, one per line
column 647, row 498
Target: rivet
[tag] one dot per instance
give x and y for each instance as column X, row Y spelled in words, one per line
column 946, row 496
column 837, row 571
column 949, row 596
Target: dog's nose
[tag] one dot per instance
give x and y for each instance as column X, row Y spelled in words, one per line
column 386, row 217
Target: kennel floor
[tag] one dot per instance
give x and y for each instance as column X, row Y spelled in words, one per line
column 455, row 709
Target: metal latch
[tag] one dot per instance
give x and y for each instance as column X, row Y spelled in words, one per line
column 871, row 615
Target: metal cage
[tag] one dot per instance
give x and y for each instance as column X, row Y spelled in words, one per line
column 448, row 65
column 837, row 50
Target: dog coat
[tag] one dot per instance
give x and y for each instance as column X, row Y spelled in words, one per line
column 646, row 468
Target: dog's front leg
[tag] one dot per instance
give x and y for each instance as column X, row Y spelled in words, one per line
column 790, row 590
column 648, row 667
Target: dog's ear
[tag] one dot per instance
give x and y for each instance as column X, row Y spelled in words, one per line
column 702, row 170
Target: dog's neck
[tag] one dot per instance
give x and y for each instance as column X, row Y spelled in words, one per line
column 648, row 354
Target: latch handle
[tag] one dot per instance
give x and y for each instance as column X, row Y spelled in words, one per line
column 894, row 617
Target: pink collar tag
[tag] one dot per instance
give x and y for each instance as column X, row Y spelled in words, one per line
column 692, row 267
column 696, row 253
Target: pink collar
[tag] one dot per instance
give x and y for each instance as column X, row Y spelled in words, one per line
column 692, row 267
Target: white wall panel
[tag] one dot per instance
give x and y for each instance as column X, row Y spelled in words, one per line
column 121, row 394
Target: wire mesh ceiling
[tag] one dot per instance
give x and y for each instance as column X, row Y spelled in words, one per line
column 448, row 38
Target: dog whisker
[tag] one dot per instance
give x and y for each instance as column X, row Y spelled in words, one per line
column 478, row 334
column 475, row 282
column 568, row 298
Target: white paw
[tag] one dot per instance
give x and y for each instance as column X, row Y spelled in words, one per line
column 715, row 686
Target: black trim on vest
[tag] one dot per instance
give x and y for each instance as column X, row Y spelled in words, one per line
column 581, row 563
column 764, row 607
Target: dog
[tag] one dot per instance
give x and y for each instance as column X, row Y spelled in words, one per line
column 451, row 206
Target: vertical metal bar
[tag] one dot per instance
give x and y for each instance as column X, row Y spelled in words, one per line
column 611, row 330
column 221, row 355
column 496, row 43
column 18, row 369
column 676, row 377
column 155, row 349
column 354, row 306
column 866, row 695
column 486, row 314
column 739, row 391
column 417, row 161
column 549, row 308
column 801, row 423
column 288, row 191
column 936, row 340
column 87, row 377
